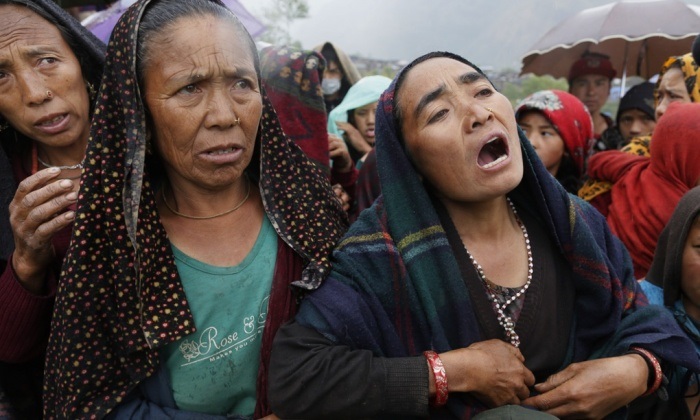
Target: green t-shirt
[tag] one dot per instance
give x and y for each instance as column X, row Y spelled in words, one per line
column 214, row 370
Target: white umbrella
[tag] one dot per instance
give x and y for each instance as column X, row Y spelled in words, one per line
column 637, row 35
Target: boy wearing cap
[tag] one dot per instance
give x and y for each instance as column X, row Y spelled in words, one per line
column 590, row 78
column 635, row 117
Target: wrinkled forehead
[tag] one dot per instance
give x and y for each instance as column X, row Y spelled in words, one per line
column 429, row 76
column 20, row 24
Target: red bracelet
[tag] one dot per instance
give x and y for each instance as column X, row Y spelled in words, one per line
column 441, row 392
column 654, row 369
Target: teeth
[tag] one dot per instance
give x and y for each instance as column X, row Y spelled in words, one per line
column 495, row 162
column 492, row 140
column 221, row 152
column 53, row 120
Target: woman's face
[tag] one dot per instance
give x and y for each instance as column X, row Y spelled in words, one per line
column 544, row 138
column 35, row 60
column 690, row 277
column 364, row 121
column 467, row 152
column 671, row 89
column 199, row 81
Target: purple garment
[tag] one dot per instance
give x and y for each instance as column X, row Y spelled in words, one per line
column 102, row 23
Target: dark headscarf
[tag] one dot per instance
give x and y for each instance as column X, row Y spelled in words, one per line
column 667, row 267
column 120, row 297
column 90, row 53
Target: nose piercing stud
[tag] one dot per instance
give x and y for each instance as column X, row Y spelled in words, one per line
column 489, row 109
column 49, row 95
column 237, row 121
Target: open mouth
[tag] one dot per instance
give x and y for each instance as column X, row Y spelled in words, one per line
column 493, row 153
column 221, row 151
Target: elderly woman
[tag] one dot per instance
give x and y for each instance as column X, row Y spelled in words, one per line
column 475, row 281
column 197, row 214
column 674, row 281
column 50, row 67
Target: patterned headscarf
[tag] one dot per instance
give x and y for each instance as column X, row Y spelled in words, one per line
column 569, row 117
column 690, row 75
column 292, row 80
column 120, row 297
column 90, row 53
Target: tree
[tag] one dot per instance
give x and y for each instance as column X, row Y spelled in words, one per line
column 278, row 19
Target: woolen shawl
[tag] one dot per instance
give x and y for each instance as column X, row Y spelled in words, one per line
column 396, row 288
column 645, row 190
column 667, row 268
column 12, row 143
column 120, row 298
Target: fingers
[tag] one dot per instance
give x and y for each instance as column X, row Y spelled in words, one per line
column 555, row 380
column 35, row 181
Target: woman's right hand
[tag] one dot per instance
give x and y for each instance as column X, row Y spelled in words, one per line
column 354, row 137
column 492, row 370
column 37, row 212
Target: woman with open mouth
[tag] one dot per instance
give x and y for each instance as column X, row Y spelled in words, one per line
column 475, row 282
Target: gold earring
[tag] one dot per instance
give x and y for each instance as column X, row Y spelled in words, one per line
column 91, row 90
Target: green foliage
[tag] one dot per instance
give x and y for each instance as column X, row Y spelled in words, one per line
column 278, row 19
column 516, row 90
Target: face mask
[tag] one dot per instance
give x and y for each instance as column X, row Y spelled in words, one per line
column 330, row 86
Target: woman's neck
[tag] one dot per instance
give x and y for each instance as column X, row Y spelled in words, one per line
column 62, row 156
column 480, row 221
column 188, row 199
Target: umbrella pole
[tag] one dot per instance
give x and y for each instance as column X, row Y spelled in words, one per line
column 624, row 72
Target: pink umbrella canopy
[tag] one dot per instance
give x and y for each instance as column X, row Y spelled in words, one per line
column 102, row 23
column 637, row 35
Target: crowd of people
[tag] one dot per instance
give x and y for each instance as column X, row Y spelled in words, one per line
column 197, row 227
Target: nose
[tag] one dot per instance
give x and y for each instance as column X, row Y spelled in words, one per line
column 477, row 115
column 221, row 113
column 33, row 88
column 661, row 108
column 535, row 140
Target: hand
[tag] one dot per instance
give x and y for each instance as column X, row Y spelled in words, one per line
column 342, row 196
column 354, row 137
column 592, row 389
column 492, row 370
column 37, row 212
column 339, row 154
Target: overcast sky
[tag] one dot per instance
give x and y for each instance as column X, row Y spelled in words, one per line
column 494, row 33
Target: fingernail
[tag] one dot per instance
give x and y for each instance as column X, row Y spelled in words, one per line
column 65, row 183
column 54, row 169
column 70, row 215
column 72, row 196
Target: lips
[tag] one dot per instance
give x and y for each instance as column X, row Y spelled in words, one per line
column 53, row 123
column 492, row 153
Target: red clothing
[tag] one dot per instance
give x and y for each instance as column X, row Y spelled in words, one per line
column 24, row 316
column 646, row 190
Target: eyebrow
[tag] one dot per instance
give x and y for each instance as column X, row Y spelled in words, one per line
column 466, row 78
column 31, row 53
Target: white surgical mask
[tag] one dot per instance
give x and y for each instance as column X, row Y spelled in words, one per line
column 330, row 86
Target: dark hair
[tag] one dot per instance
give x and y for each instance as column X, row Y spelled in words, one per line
column 89, row 70
column 160, row 15
column 568, row 174
column 329, row 54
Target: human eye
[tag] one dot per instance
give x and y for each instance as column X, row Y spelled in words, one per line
column 189, row 89
column 625, row 120
column 242, row 84
column 486, row 92
column 47, row 61
column 437, row 116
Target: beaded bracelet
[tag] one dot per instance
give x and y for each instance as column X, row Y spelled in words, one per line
column 654, row 369
column 441, row 392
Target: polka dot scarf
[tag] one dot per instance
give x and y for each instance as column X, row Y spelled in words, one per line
column 120, row 298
